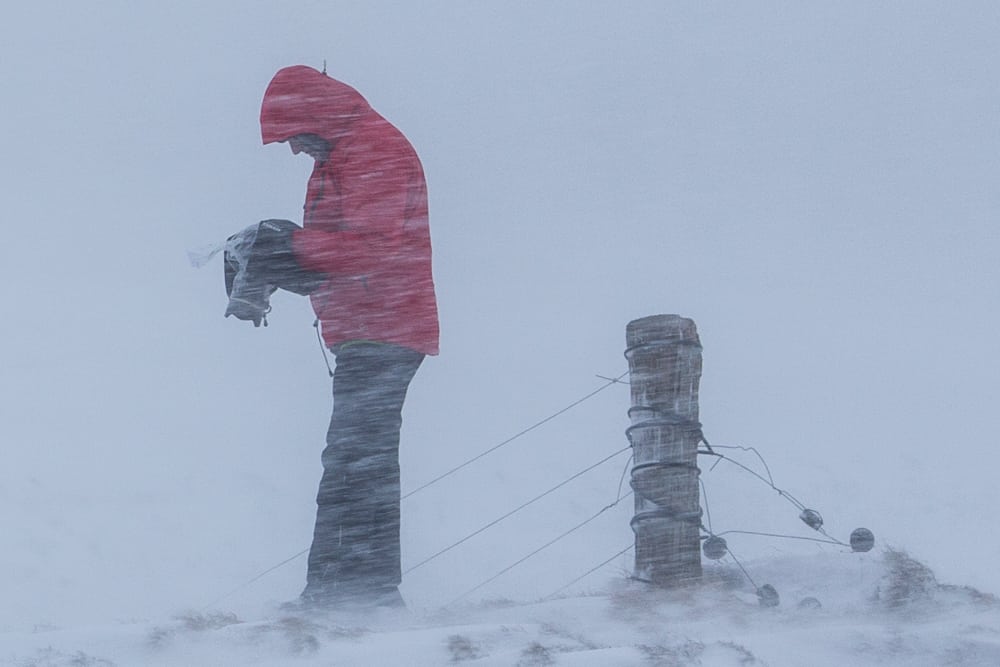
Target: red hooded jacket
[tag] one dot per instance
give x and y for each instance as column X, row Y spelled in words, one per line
column 365, row 217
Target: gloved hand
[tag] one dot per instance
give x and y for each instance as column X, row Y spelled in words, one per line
column 258, row 260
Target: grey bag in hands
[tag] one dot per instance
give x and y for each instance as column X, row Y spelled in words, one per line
column 258, row 260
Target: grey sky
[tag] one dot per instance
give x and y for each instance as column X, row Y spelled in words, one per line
column 814, row 183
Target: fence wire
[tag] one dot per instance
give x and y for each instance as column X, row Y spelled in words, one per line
column 608, row 383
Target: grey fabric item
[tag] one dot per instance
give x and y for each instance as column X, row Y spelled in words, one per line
column 355, row 556
column 259, row 260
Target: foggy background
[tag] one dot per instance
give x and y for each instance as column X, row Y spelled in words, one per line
column 814, row 184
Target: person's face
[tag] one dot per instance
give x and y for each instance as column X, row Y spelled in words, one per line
column 310, row 144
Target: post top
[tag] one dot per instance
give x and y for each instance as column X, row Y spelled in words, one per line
column 661, row 329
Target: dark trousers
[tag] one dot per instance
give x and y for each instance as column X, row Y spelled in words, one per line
column 355, row 551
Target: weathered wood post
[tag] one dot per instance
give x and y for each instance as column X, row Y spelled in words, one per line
column 664, row 356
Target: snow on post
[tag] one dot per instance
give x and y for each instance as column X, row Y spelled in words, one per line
column 664, row 356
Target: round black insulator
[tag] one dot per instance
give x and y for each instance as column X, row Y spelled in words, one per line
column 714, row 548
column 812, row 519
column 768, row 596
column 810, row 603
column 862, row 540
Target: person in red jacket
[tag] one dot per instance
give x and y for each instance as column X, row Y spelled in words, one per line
column 366, row 250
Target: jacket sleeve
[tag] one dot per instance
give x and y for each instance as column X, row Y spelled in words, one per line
column 373, row 205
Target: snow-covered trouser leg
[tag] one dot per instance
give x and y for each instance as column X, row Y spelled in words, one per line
column 355, row 554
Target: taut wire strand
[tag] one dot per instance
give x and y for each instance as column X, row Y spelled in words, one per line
column 515, row 436
column 515, row 510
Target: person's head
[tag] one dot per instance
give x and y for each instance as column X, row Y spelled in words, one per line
column 311, row 144
column 302, row 101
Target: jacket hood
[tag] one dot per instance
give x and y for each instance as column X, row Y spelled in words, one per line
column 302, row 100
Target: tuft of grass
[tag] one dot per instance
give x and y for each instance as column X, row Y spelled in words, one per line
column 298, row 632
column 49, row 657
column 191, row 622
column 198, row 622
column 974, row 595
column 159, row 637
column 462, row 649
column 535, row 655
column 746, row 656
column 681, row 655
column 907, row 581
column 81, row 659
column 690, row 653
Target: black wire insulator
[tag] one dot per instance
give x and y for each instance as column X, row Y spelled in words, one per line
column 812, row 519
column 714, row 548
column 862, row 540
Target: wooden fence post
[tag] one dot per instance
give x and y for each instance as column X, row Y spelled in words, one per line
column 664, row 357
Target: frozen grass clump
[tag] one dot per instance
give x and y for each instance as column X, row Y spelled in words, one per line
column 462, row 649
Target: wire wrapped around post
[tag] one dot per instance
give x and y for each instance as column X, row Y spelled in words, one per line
column 664, row 356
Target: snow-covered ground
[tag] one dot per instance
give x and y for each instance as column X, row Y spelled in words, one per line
column 814, row 183
column 836, row 610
